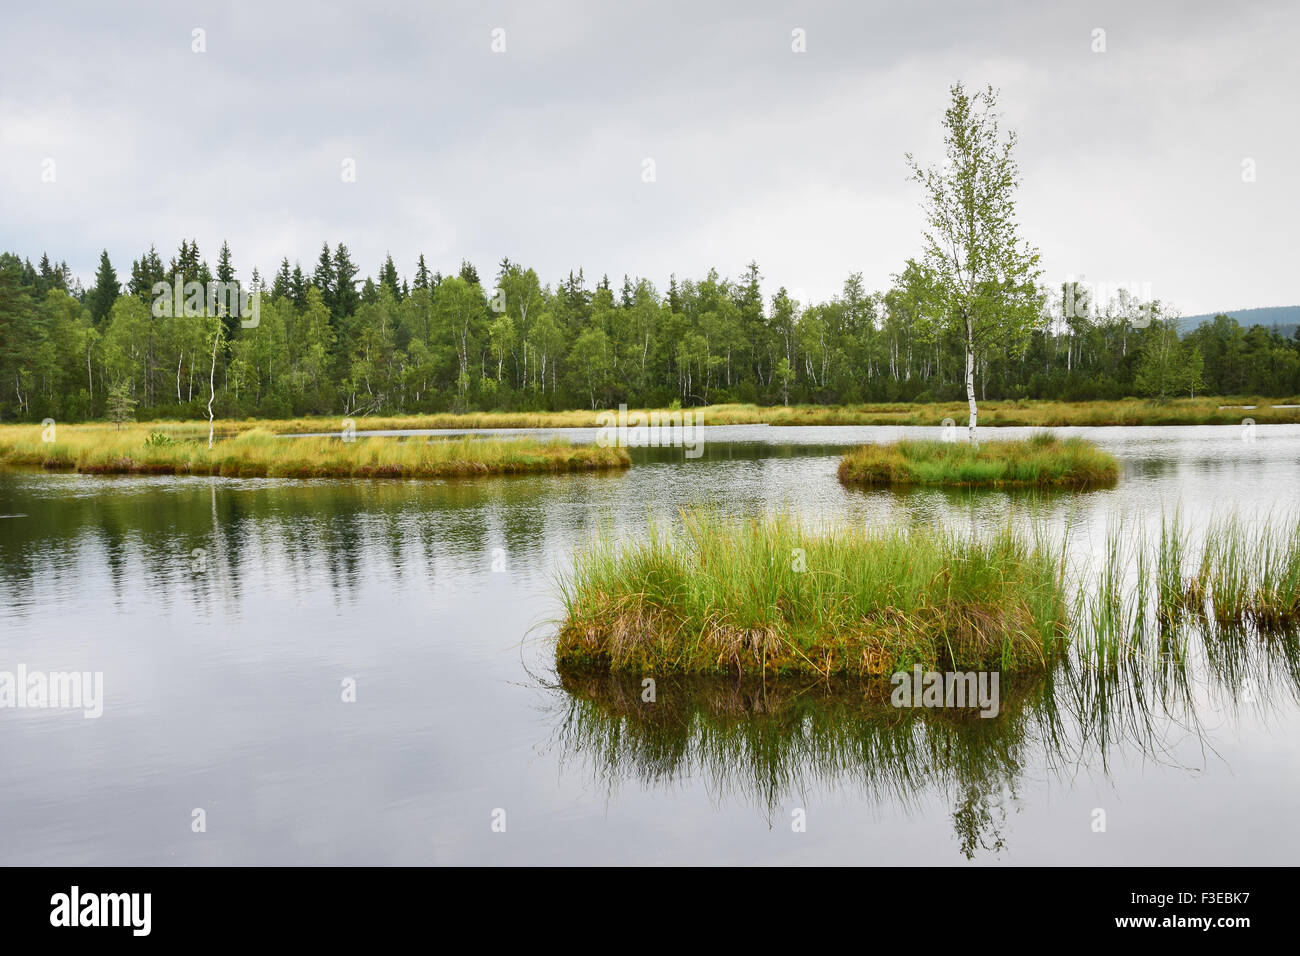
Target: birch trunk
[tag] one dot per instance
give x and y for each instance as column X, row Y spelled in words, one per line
column 970, row 377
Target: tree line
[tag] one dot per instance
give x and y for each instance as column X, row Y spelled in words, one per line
column 334, row 342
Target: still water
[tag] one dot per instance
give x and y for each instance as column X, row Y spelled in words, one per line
column 231, row 618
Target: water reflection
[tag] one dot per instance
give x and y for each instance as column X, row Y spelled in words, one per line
column 222, row 684
column 197, row 539
column 760, row 740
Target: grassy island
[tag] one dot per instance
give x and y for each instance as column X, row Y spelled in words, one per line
column 766, row 595
column 1043, row 461
column 183, row 450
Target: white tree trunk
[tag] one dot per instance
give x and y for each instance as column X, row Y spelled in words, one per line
column 970, row 378
column 212, row 383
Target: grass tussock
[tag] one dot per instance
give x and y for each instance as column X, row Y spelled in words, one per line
column 183, row 450
column 767, row 595
column 1043, row 461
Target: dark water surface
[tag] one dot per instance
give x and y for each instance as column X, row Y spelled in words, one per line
column 226, row 615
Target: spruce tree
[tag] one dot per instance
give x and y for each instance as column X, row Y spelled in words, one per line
column 121, row 406
column 185, row 265
column 225, row 268
column 283, row 283
column 346, row 297
column 388, row 278
column 146, row 272
column 226, row 276
column 106, row 290
column 323, row 277
column 369, row 291
column 45, row 279
column 298, row 286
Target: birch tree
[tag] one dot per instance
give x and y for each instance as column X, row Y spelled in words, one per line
column 986, row 277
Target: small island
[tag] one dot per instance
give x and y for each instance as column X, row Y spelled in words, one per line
column 257, row 453
column 767, row 595
column 1041, row 461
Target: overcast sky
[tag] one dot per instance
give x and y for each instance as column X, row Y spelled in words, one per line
column 1132, row 158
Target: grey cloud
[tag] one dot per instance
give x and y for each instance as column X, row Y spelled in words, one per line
column 1131, row 158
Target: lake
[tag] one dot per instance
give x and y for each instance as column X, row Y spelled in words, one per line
column 358, row 672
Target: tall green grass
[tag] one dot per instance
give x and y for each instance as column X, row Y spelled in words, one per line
column 768, row 595
column 1042, row 461
column 137, row 449
column 1147, row 598
column 1248, row 576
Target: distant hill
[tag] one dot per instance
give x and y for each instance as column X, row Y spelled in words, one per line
column 1285, row 317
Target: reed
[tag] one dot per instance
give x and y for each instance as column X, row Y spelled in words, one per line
column 1171, row 599
column 1241, row 576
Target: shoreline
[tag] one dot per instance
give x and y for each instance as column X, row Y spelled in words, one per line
column 1211, row 410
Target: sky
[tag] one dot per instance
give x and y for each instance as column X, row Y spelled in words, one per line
column 651, row 138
